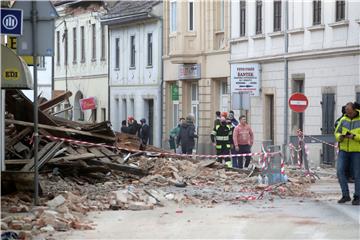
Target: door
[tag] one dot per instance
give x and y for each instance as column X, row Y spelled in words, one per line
column 328, row 127
column 151, row 119
column 224, row 96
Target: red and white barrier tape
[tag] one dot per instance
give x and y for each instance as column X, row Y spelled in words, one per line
column 162, row 153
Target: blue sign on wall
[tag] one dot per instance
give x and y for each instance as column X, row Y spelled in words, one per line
column 11, row 21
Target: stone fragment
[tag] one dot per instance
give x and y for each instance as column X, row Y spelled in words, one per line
column 57, row 201
column 139, row 206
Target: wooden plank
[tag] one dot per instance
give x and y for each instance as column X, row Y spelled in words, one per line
column 99, row 155
column 41, row 153
column 60, row 129
column 19, row 136
column 121, row 168
column 53, row 102
column 73, row 157
column 48, row 155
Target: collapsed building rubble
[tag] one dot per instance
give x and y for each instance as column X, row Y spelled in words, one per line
column 111, row 174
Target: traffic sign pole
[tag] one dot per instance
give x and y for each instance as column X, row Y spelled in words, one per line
column 36, row 130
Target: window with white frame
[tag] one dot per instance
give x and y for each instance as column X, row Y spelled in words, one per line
column 103, row 42
column 195, row 101
column 74, row 46
column 224, row 96
column 93, row 55
column 316, row 12
column 258, row 17
column 277, row 16
column 191, row 15
column 82, row 33
column 42, row 65
column 222, row 15
column 173, row 16
column 65, row 40
column 149, row 49
column 175, row 113
column 117, row 53
column 340, row 10
column 242, row 18
column 58, row 48
column 132, row 51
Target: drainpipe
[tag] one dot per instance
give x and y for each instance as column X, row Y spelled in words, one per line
column 108, row 63
column 162, row 85
column 286, row 81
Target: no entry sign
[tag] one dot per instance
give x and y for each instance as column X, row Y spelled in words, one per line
column 298, row 102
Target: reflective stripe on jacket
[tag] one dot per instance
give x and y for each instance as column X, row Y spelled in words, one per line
column 352, row 126
column 222, row 135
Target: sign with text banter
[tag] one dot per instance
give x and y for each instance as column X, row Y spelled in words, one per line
column 245, row 78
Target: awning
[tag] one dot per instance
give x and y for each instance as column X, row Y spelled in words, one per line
column 15, row 73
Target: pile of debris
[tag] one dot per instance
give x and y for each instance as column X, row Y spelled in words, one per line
column 77, row 177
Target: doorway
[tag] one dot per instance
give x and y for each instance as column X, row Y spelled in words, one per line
column 269, row 123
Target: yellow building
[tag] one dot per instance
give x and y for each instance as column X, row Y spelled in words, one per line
column 196, row 67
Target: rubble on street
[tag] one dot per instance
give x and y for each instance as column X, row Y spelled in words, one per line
column 76, row 177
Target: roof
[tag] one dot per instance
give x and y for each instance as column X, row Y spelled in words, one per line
column 127, row 11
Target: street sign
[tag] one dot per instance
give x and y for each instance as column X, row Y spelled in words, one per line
column 11, row 21
column 11, row 43
column 298, row 102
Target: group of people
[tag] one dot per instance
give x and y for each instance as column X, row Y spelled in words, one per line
column 232, row 137
column 228, row 137
column 142, row 130
column 347, row 134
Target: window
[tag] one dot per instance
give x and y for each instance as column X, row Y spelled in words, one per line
column 149, row 49
column 277, row 16
column 258, row 17
column 42, row 65
column 82, row 43
column 117, row 53
column 65, row 40
column 132, row 107
column 93, row 55
column 93, row 115
column 222, row 10
column 316, row 12
column 191, row 16
column 358, row 97
column 103, row 113
column 103, row 42
column 173, row 16
column 74, row 45
column 340, row 10
column 58, row 47
column 132, row 49
column 242, row 17
column 195, row 101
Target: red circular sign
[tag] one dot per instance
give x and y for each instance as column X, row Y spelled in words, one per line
column 298, row 102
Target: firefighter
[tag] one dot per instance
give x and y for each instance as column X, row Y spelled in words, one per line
column 222, row 139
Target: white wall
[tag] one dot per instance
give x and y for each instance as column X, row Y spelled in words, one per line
column 139, row 83
column 327, row 56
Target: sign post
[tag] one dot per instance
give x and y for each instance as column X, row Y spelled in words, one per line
column 298, row 102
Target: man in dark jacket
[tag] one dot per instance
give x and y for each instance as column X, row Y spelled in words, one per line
column 133, row 126
column 187, row 135
column 124, row 128
column 144, row 132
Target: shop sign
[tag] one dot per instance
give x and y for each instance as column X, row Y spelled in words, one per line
column 87, row 103
column 189, row 71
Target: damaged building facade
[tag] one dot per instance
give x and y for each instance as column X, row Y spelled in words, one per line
column 80, row 62
column 135, row 64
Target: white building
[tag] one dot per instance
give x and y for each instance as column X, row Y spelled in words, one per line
column 81, row 56
column 323, row 63
column 135, row 64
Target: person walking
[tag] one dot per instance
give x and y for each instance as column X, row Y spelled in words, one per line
column 187, row 135
column 221, row 137
column 243, row 140
column 347, row 133
column 144, row 132
column 174, row 134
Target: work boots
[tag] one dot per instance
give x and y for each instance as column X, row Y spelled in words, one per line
column 356, row 200
column 345, row 199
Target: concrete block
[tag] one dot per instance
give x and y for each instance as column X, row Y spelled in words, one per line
column 57, row 201
column 47, row 228
column 138, row 206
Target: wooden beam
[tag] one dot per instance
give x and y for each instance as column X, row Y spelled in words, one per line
column 53, row 102
column 60, row 129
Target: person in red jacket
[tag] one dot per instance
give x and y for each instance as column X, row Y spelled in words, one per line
column 243, row 139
